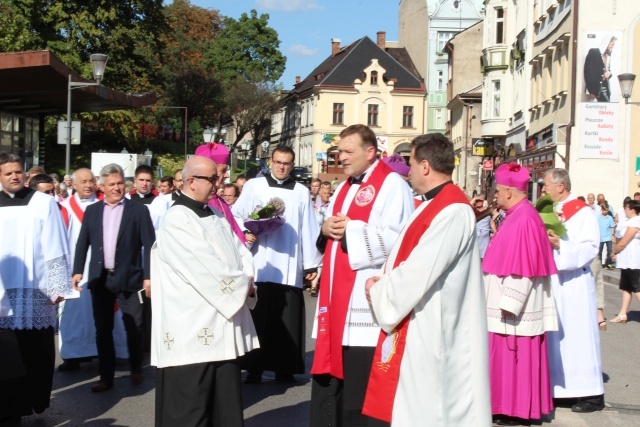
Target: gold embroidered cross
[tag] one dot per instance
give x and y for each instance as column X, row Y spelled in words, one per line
column 168, row 341
column 205, row 336
column 227, row 286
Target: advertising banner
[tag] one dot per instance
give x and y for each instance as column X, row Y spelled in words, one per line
column 599, row 107
column 598, row 130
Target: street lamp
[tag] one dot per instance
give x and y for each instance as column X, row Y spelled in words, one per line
column 208, row 134
column 99, row 63
column 245, row 146
column 626, row 86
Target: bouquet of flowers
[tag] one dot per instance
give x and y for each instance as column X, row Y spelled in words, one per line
column 545, row 207
column 266, row 219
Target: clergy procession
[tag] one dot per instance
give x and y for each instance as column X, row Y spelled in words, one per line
column 431, row 309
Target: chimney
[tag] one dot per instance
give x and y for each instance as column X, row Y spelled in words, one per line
column 335, row 46
column 297, row 79
column 382, row 39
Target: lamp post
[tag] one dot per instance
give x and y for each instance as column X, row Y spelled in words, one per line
column 245, row 145
column 99, row 63
column 208, row 134
column 626, row 86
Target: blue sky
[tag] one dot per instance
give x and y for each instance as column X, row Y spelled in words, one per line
column 306, row 27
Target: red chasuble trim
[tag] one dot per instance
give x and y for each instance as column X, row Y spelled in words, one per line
column 385, row 370
column 572, row 207
column 334, row 302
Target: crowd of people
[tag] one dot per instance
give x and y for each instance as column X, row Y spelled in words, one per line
column 428, row 305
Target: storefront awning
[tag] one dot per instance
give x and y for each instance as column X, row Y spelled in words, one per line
column 35, row 83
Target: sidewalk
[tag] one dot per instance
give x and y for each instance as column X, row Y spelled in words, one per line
column 276, row 405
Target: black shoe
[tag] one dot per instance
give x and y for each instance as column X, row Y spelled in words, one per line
column 505, row 420
column 285, row 378
column 589, row 405
column 69, row 365
column 253, row 378
column 565, row 402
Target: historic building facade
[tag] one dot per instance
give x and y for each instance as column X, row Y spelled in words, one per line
column 363, row 82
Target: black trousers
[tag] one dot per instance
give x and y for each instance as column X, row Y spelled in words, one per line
column 33, row 353
column 280, row 324
column 338, row 403
column 103, row 302
column 199, row 395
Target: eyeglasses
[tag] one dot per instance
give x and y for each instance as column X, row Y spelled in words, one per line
column 212, row 179
column 279, row 163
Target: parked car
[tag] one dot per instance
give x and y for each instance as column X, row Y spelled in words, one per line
column 301, row 174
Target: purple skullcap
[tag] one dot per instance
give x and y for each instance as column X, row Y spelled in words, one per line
column 512, row 175
column 216, row 152
column 398, row 164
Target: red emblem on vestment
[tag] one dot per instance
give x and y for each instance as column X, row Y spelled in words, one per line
column 365, row 195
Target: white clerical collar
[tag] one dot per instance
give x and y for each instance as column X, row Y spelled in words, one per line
column 279, row 181
column 81, row 200
column 11, row 195
column 204, row 206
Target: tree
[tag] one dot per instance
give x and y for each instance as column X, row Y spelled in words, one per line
column 126, row 30
column 186, row 80
column 246, row 58
column 253, row 104
column 247, row 50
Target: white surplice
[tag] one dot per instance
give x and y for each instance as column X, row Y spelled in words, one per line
column 158, row 207
column 200, row 274
column 34, row 262
column 390, row 212
column 444, row 373
column 281, row 256
column 574, row 350
column 77, row 333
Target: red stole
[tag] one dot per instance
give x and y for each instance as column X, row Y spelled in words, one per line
column 65, row 215
column 572, row 207
column 385, row 370
column 334, row 303
column 75, row 207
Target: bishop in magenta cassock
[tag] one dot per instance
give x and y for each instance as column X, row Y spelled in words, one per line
column 520, row 306
column 431, row 364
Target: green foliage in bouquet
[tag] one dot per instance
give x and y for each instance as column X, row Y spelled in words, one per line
column 274, row 208
column 545, row 206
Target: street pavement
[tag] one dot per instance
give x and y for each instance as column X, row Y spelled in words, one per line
column 271, row 404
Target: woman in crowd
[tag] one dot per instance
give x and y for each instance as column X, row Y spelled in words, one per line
column 627, row 253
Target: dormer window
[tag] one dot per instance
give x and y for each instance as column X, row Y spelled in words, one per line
column 374, row 78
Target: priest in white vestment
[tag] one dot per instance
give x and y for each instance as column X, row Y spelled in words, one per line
column 363, row 222
column 430, row 305
column 282, row 259
column 34, row 275
column 574, row 350
column 202, row 294
column 77, row 331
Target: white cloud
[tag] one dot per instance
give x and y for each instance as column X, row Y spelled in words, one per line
column 301, row 50
column 289, row 5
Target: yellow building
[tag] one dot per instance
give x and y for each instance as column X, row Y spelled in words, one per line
column 361, row 83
